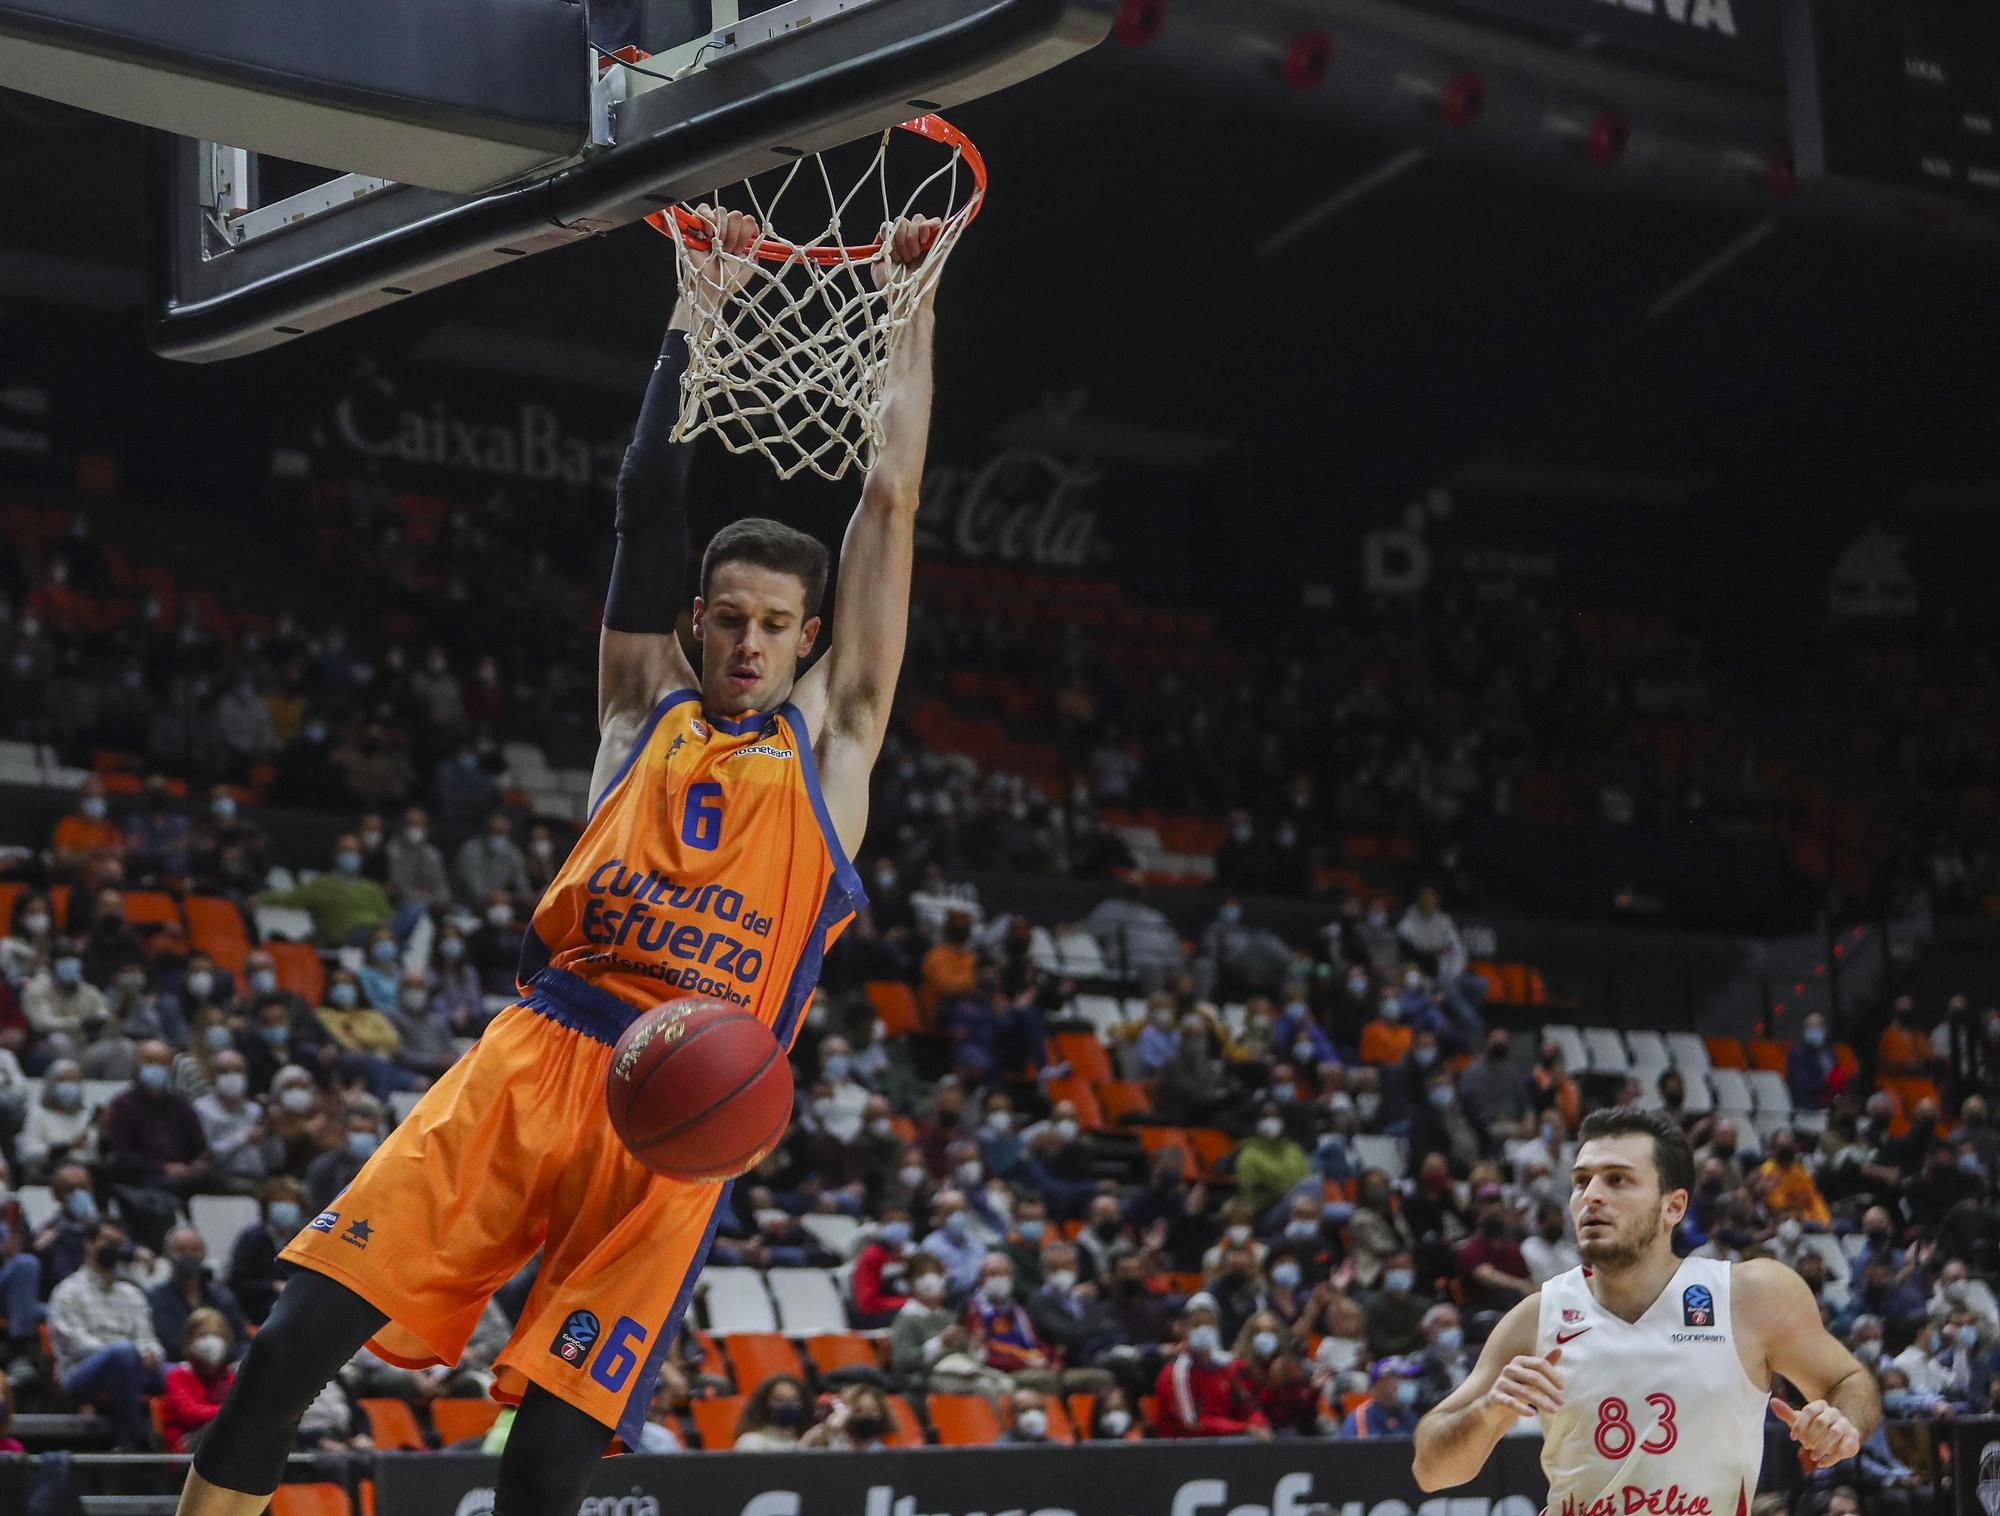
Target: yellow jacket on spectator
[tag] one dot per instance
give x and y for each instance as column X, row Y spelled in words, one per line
column 1789, row 1191
column 360, row 1030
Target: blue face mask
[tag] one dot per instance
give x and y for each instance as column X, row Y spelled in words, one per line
column 958, row 1224
column 1399, row 1280
column 836, row 1065
column 68, row 1096
column 81, row 1207
column 284, row 1216
column 894, row 1234
column 153, row 1076
column 1265, row 1344
column 451, row 949
column 347, row 863
column 1285, row 1276
column 1033, row 1229
column 343, row 996
column 69, row 970
column 1815, row 1036
column 217, row 1037
column 276, row 1035
column 263, row 982
column 383, row 952
column 1406, row 1392
column 1450, row 1340
column 361, row 1144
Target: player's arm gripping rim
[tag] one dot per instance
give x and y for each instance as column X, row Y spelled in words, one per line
column 846, row 697
column 639, row 657
column 1510, row 1381
column 1842, row 1406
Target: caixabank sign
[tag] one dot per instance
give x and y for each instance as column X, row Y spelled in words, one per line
column 1316, row 1478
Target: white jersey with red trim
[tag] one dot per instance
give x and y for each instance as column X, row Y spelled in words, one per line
column 1659, row 1417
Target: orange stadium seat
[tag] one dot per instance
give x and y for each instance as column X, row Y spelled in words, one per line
column 1119, row 1098
column 1061, row 1429
column 9, row 893
column 1726, row 1053
column 841, row 1350
column 1157, row 1139
column 299, row 969
column 1084, row 1054
column 712, row 1361
column 310, row 1500
column 1089, row 1114
column 216, row 927
column 392, row 1424
column 1768, row 1053
column 896, row 1003
column 715, row 1420
column 1843, row 1055
column 905, row 1430
column 459, row 1419
column 963, row 1421
column 1211, row 1146
column 755, row 1356
column 152, row 908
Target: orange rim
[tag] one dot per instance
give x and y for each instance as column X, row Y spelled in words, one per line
column 697, row 232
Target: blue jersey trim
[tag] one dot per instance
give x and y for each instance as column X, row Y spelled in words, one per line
column 640, row 1402
column 835, row 908
column 678, row 697
column 581, row 1006
column 535, row 956
column 846, row 880
column 756, row 721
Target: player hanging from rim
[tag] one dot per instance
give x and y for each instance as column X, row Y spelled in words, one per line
column 1651, row 1373
column 737, row 797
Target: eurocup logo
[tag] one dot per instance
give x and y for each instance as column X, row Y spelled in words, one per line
column 1989, row 1479
column 1698, row 1306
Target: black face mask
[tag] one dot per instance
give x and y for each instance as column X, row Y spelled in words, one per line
column 108, row 1255
column 189, row 1268
column 787, row 1414
column 866, row 1427
column 1131, row 1286
column 1491, row 1228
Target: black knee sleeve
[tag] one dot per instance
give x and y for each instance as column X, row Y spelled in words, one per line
column 316, row 1326
column 551, row 1450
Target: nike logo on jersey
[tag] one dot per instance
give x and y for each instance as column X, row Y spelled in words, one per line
column 1562, row 1337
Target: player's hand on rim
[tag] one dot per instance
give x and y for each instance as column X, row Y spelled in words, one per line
column 1529, row 1385
column 718, row 271
column 1824, row 1434
column 905, row 244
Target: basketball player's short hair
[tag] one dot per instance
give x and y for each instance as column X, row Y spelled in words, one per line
column 1671, row 1153
column 772, row 545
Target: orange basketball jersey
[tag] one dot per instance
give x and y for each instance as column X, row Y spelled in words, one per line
column 709, row 866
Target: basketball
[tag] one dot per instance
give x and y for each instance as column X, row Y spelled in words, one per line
column 699, row 1090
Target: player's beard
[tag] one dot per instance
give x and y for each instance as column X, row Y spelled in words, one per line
column 1624, row 1249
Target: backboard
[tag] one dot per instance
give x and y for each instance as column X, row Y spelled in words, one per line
column 278, row 209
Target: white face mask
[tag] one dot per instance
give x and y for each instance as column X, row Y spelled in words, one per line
column 930, row 1287
column 911, row 1176
column 1238, row 1234
column 1062, row 1280
column 208, row 1351
column 882, row 1126
column 297, row 1099
column 1270, row 1129
column 1066, row 1129
column 969, row 1172
column 231, row 1085
column 1032, row 1423
column 999, row 1287
column 1116, row 1423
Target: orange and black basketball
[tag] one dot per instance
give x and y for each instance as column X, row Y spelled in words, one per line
column 699, row 1090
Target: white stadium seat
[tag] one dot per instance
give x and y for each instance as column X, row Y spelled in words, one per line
column 287, row 922
column 1607, row 1051
column 1770, row 1092
column 1732, row 1092
column 38, row 1205
column 1575, row 1055
column 1648, row 1050
column 1384, row 1153
column 98, row 1093
column 736, row 1301
column 808, row 1302
column 840, row 1235
column 1101, row 1011
column 221, row 1219
column 1078, row 955
column 1689, row 1052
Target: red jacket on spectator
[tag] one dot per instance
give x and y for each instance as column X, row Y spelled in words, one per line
column 1290, row 1407
column 870, row 1299
column 145, row 1131
column 191, row 1401
column 1198, row 1399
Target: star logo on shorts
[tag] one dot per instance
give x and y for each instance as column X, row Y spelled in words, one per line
column 358, row 1233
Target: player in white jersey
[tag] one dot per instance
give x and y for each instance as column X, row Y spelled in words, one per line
column 1650, row 1372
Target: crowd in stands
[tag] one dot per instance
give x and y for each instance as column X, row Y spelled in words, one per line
column 1289, row 1199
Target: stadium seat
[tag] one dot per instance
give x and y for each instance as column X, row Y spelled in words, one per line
column 906, row 1430
column 402, row 1102
column 460, row 1419
column 807, row 1301
column 1690, row 1053
column 10, row 890
column 1843, row 1057
column 832, row 1351
column 712, row 1361
column 1770, row 1092
column 1061, row 1430
column 1384, row 1153
column 317, row 1499
column 1576, row 1057
column 288, row 923
column 1119, row 1098
column 1079, row 956
column 38, row 1205
column 221, row 1219
column 755, row 1356
column 154, row 908
column 1732, row 1091
column 299, row 969
column 1648, row 1050
column 392, row 1424
column 98, row 1093
column 1607, row 1051
column 1077, row 1091
column 1210, row 1146
column 1768, row 1053
column 1084, row 1054
column 1726, row 1053
column 963, row 1421
column 1157, row 1139
column 735, row 1300
column 896, row 1003
column 840, row 1235
column 715, row 1419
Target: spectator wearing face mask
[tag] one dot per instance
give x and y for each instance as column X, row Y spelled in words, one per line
column 1549, row 1252
column 416, row 870
column 255, row 1274
column 1553, row 1085
column 366, row 1040
column 62, row 1242
column 57, row 1127
column 1491, row 1271
column 953, row 1243
column 1786, row 1186
column 282, row 1031
column 1199, row 1393
column 191, row 1290
column 1385, row 1041
column 925, row 1331
column 193, row 1391
column 60, row 1001
column 1027, row 1420
column 1440, row 1125
column 1391, row 1407
column 1376, row 1232
column 1812, row 1073
column 882, row 1273
column 1111, row 1418
column 949, row 970
column 229, row 848
column 1904, row 1056
column 346, row 906
column 1495, row 1095
column 424, row 1041
column 152, row 1137
column 460, row 999
column 30, row 932
column 491, row 863
column 495, row 947
column 1957, row 1290
column 1430, row 937
column 87, row 833
column 102, row 1332
column 239, row 1141
column 774, row 1416
column 159, row 840
column 1395, row 1313
column 333, row 1171
column 1003, row 1336
column 1269, row 1164
column 1443, row 1363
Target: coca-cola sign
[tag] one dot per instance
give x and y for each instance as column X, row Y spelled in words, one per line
column 1022, row 506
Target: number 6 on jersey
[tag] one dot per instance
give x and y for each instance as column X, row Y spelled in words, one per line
column 701, row 823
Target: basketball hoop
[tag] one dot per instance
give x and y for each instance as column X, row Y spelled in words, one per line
column 791, row 362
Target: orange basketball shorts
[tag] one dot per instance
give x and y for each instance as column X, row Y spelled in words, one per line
column 510, row 1152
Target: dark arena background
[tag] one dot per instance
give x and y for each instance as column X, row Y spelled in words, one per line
column 1456, row 587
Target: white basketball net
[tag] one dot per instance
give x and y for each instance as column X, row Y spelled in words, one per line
column 791, row 364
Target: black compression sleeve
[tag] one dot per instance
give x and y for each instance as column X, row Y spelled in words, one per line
column 650, row 560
